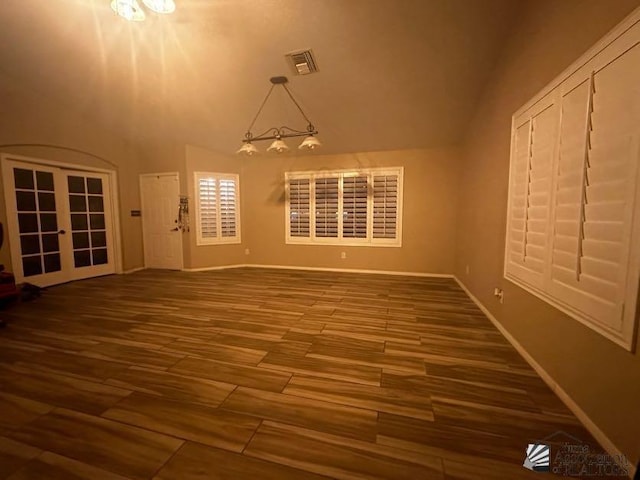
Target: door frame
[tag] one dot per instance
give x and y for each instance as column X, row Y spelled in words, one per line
column 160, row 174
column 112, row 175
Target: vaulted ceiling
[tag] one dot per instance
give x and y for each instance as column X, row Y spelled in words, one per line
column 393, row 74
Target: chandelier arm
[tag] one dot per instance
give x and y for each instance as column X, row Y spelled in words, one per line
column 298, row 133
column 282, row 132
column 260, row 109
column 263, row 135
column 297, row 105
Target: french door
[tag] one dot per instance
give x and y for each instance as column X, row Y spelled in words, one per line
column 60, row 223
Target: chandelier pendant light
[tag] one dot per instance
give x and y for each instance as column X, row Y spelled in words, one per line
column 277, row 134
column 160, row 6
column 129, row 9
column 132, row 11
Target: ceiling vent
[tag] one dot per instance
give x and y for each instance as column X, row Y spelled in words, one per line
column 302, row 62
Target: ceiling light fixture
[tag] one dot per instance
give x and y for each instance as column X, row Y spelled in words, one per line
column 161, row 6
column 131, row 10
column 277, row 134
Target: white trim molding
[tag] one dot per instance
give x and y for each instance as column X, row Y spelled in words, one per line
column 211, row 269
column 321, row 269
column 133, row 270
column 353, row 270
column 571, row 404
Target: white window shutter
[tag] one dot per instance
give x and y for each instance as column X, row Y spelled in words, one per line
column 354, row 206
column 228, row 208
column 385, row 206
column 208, row 207
column 360, row 207
column 326, row 206
column 518, row 190
column 573, row 222
column 217, row 208
column 601, row 183
column 534, row 144
column 299, row 207
column 569, row 184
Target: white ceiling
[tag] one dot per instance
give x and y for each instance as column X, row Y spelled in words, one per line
column 393, row 74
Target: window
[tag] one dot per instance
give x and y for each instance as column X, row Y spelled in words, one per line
column 573, row 226
column 217, row 208
column 346, row 207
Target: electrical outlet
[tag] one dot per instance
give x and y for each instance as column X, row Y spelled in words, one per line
column 499, row 294
column 343, row 255
column 246, row 251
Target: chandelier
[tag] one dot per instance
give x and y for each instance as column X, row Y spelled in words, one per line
column 277, row 134
column 132, row 11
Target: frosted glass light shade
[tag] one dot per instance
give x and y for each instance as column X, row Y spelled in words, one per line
column 129, row 9
column 161, row 6
column 247, row 149
column 309, row 143
column 278, row 146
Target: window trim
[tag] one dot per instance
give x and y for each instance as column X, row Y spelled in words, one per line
column 312, row 175
column 218, row 240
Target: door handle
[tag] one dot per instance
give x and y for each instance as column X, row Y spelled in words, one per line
column 61, row 232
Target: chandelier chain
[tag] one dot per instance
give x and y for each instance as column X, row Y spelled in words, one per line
column 260, row 110
column 296, row 103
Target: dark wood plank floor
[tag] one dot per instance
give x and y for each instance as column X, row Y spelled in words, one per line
column 253, row 373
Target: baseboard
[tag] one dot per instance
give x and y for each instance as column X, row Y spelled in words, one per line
column 132, row 270
column 210, row 269
column 353, row 270
column 571, row 404
column 320, row 269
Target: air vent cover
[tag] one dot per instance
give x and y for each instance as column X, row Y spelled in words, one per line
column 302, row 62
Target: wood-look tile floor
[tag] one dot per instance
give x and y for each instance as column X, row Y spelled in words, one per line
column 265, row 374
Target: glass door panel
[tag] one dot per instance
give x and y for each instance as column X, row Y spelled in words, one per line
column 89, row 202
column 34, row 218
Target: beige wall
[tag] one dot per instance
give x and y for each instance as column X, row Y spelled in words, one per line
column 204, row 256
column 28, row 118
column 601, row 377
column 430, row 194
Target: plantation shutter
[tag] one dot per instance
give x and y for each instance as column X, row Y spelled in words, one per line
column 596, row 188
column 345, row 207
column 385, row 206
column 354, row 206
column 534, row 144
column 518, row 190
column 217, row 208
column 228, row 200
column 208, row 207
column 299, row 207
column 573, row 223
column 574, row 133
column 326, row 203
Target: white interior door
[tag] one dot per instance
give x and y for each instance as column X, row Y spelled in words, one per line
column 60, row 223
column 160, row 202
